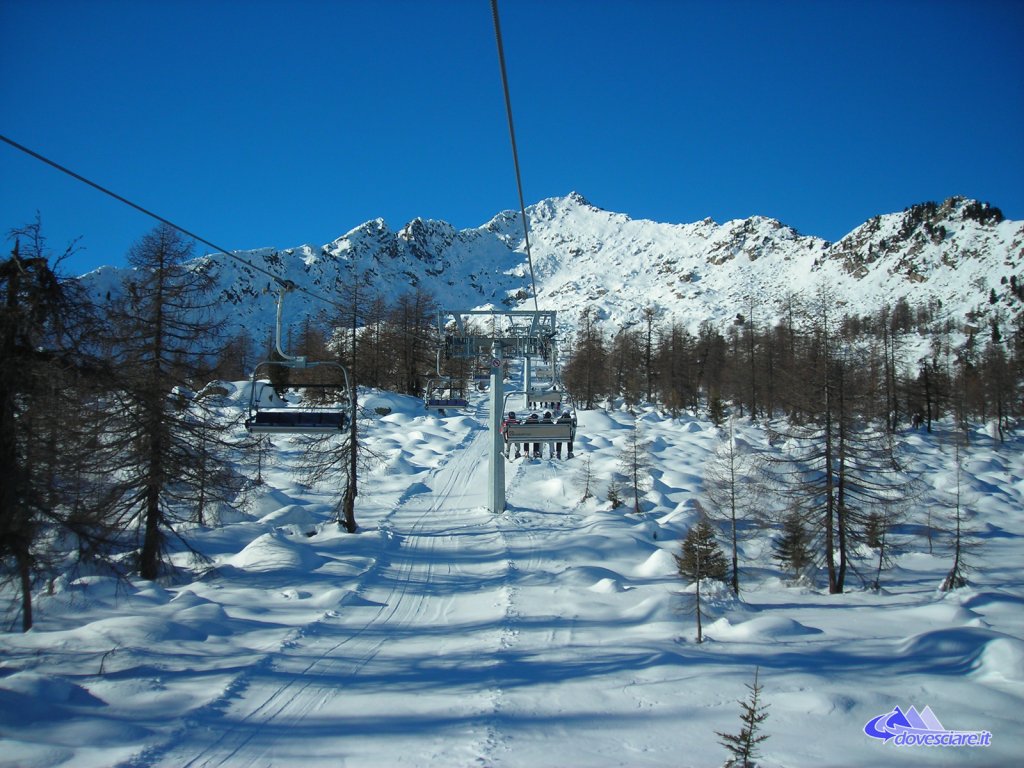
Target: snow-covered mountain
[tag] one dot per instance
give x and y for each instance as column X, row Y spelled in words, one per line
column 953, row 255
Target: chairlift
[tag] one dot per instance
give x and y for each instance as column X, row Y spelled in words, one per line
column 525, row 420
column 546, row 370
column 440, row 403
column 442, row 393
column 546, row 399
column 435, row 399
column 269, row 414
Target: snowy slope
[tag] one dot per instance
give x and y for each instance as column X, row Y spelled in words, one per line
column 554, row 634
column 949, row 255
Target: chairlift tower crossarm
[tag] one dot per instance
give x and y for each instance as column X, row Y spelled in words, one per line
column 522, row 333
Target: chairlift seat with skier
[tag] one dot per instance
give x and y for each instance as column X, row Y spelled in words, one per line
column 547, row 399
column 531, row 427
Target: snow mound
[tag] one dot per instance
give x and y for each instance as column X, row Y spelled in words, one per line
column 154, row 593
column 1001, row 660
column 270, row 502
column 553, row 488
column 292, row 514
column 95, row 587
column 961, row 642
column 28, row 698
column 941, row 613
column 141, row 631
column 596, row 421
column 660, row 563
column 199, row 614
column 658, row 607
column 681, row 515
column 979, row 650
column 681, row 480
column 995, row 603
column 398, row 419
column 588, row 575
column 607, row 586
column 395, row 403
column 759, row 629
column 49, row 689
column 275, row 552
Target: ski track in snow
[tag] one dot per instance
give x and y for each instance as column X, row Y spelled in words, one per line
column 326, row 669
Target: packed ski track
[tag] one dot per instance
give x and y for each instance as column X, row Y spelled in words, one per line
column 439, row 551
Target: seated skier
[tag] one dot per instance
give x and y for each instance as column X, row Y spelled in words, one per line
column 564, row 418
column 533, row 418
column 510, row 419
column 546, row 419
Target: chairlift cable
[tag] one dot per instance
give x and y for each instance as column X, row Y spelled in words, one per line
column 515, row 152
column 63, row 169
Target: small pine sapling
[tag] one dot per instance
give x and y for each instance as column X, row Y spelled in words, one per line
column 635, row 466
column 585, row 477
column 962, row 538
column 716, row 410
column 729, row 489
column 614, row 494
column 743, row 746
column 701, row 558
column 878, row 534
column 792, row 549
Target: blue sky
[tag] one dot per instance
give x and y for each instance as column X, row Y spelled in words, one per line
column 262, row 123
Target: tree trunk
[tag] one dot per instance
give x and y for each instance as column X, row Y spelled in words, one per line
column 348, row 506
column 841, row 517
column 735, row 541
column 149, row 557
column 25, row 576
column 700, row 629
column 830, row 555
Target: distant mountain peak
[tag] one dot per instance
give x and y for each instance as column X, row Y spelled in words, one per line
column 957, row 254
column 578, row 199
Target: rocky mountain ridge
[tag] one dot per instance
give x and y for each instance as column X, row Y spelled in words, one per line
column 956, row 255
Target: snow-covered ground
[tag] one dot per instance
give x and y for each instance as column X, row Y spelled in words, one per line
column 554, row 634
